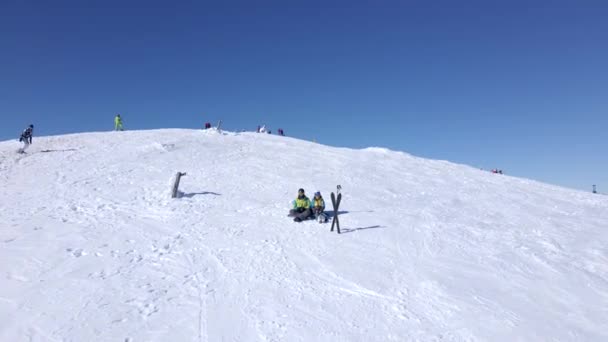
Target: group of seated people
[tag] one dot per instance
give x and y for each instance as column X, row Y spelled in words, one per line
column 304, row 208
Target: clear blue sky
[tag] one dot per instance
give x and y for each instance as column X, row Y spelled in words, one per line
column 517, row 85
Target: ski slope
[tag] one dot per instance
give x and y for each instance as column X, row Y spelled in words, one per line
column 93, row 249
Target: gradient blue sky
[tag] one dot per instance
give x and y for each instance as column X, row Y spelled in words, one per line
column 517, row 85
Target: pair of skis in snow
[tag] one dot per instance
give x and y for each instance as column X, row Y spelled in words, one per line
column 336, row 203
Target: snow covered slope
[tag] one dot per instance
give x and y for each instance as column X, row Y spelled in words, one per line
column 93, row 249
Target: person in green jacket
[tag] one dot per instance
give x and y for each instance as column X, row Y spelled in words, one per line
column 301, row 207
column 118, row 123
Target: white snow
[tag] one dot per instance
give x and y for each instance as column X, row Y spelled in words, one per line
column 93, row 249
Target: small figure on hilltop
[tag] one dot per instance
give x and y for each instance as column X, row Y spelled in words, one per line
column 26, row 138
column 281, row 133
column 118, row 123
column 301, row 207
column 207, row 125
column 318, row 208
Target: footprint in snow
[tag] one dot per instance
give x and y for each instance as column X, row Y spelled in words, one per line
column 76, row 252
column 17, row 277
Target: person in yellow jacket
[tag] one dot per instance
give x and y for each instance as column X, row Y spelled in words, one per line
column 301, row 207
column 117, row 123
column 318, row 207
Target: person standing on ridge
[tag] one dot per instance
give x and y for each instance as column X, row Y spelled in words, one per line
column 26, row 138
column 117, row 123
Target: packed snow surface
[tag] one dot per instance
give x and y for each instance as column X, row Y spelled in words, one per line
column 92, row 247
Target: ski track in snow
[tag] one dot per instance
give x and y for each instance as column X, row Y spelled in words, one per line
column 93, row 248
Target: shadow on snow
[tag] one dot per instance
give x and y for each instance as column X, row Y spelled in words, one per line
column 350, row 230
column 192, row 194
column 330, row 213
column 65, row 150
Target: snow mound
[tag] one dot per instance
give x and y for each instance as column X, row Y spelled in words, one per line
column 93, row 248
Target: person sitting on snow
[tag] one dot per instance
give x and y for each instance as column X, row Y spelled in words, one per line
column 301, row 207
column 26, row 138
column 318, row 207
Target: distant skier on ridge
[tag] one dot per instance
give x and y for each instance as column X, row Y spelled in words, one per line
column 26, row 138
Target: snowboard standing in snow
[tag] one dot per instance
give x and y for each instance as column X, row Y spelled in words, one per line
column 336, row 203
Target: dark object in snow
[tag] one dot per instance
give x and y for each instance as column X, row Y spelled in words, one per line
column 336, row 203
column 178, row 177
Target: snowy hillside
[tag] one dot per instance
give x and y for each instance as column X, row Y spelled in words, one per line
column 93, row 249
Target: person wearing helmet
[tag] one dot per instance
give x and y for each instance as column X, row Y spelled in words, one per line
column 26, row 138
column 117, row 123
column 318, row 207
column 301, row 207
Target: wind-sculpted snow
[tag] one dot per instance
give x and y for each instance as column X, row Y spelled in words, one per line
column 93, row 249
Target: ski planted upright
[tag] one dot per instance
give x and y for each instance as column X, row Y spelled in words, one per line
column 336, row 203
